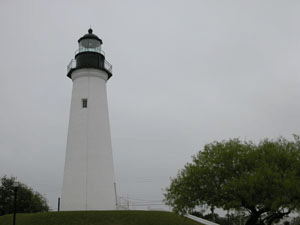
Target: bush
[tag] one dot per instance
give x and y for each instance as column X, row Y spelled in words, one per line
column 28, row 201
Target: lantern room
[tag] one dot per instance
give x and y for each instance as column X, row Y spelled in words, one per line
column 90, row 42
column 89, row 55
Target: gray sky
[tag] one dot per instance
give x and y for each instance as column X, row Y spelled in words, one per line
column 185, row 73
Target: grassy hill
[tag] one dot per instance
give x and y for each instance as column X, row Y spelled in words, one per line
column 98, row 218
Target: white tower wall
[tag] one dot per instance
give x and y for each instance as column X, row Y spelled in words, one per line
column 89, row 174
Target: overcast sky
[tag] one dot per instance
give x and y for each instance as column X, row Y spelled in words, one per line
column 185, row 73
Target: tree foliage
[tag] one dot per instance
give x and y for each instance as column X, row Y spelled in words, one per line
column 295, row 221
column 28, row 201
column 263, row 179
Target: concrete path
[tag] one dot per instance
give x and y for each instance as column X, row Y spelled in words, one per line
column 200, row 220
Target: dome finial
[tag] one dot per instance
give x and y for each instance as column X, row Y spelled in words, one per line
column 90, row 30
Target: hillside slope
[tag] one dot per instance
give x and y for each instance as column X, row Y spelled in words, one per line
column 99, row 218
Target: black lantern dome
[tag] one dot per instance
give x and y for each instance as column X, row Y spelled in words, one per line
column 90, row 55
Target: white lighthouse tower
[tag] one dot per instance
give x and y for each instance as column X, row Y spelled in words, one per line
column 89, row 173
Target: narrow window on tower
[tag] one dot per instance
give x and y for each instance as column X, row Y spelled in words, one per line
column 84, row 102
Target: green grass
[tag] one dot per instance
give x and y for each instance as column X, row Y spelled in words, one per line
column 98, row 217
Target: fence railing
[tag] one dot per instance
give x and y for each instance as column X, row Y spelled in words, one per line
column 72, row 65
column 108, row 66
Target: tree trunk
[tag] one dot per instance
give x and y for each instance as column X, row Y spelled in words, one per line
column 212, row 213
column 253, row 219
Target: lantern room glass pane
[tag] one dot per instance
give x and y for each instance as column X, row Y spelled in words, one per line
column 89, row 43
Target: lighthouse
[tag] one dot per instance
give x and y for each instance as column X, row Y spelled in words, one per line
column 88, row 182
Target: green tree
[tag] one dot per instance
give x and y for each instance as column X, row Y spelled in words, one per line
column 295, row 221
column 262, row 179
column 28, row 201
